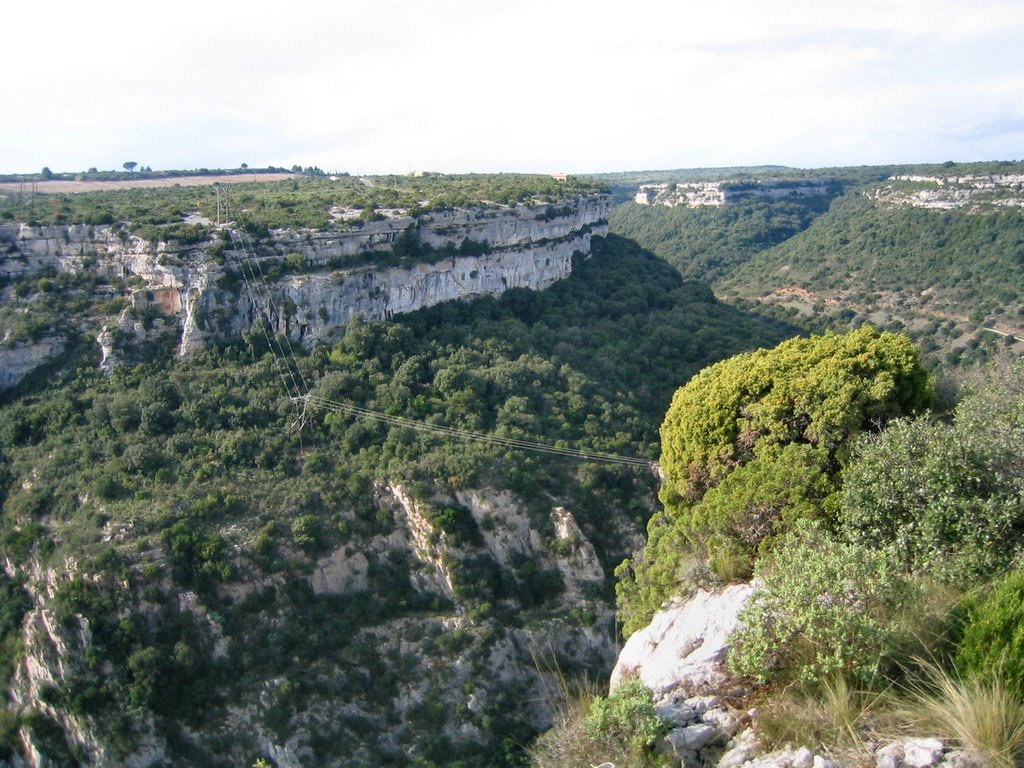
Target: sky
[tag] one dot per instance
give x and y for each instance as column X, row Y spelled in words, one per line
column 547, row 86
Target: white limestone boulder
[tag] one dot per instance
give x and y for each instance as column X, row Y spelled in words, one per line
column 683, row 649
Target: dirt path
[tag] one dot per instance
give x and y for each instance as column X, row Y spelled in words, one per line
column 63, row 187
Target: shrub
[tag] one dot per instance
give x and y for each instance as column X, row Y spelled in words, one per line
column 819, row 391
column 945, row 499
column 758, row 501
column 821, row 608
column 627, row 718
column 307, row 532
column 622, row 728
column 992, row 647
column 753, row 444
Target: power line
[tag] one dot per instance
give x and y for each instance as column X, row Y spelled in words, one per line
column 464, row 434
column 298, row 389
column 291, row 375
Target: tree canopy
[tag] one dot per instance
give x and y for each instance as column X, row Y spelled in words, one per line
column 755, row 443
column 819, row 391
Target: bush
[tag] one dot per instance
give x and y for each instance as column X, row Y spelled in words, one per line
column 753, row 444
column 758, row 501
column 945, row 499
column 820, row 391
column 622, row 728
column 821, row 608
column 992, row 647
column 627, row 718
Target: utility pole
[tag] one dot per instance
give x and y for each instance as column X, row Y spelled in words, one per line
column 216, row 188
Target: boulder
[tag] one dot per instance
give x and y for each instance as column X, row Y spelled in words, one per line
column 682, row 650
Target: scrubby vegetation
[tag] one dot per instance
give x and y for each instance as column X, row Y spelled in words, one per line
column 622, row 729
column 888, row 596
column 755, row 443
column 308, row 201
column 182, row 476
column 709, row 243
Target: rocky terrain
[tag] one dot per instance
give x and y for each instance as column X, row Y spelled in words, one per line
column 305, row 284
column 718, row 193
column 968, row 193
column 350, row 693
column 713, row 716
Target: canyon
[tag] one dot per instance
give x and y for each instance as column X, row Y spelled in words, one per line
column 305, row 284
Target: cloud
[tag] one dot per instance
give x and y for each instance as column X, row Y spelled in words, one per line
column 532, row 85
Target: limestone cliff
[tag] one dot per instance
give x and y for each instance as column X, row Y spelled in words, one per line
column 982, row 193
column 305, row 283
column 717, row 193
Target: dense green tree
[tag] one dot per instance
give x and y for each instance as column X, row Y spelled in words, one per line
column 819, row 391
column 754, row 443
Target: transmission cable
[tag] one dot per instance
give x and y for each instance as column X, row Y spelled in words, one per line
column 290, row 372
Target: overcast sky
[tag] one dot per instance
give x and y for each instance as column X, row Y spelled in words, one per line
column 380, row 86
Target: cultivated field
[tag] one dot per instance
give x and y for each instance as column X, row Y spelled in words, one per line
column 64, row 187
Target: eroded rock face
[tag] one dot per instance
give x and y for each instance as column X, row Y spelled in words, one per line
column 375, row 687
column 684, row 647
column 201, row 289
column 718, row 193
column 18, row 361
column 970, row 194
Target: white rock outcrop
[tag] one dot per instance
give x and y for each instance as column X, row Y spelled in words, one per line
column 717, row 193
column 680, row 657
column 684, row 646
column 18, row 361
column 970, row 193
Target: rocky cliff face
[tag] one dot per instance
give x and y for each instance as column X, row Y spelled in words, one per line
column 306, row 284
column 969, row 193
column 717, row 193
column 385, row 690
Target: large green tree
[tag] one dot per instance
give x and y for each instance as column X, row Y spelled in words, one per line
column 756, row 442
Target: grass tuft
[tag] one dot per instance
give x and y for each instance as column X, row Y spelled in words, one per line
column 831, row 716
column 982, row 716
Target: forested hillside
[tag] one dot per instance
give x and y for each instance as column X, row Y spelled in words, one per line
column 199, row 579
column 413, row 564
column 710, row 243
column 935, row 251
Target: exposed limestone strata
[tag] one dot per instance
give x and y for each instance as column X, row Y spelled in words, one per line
column 717, row 193
column 16, row 362
column 971, row 194
column 520, row 247
column 685, row 644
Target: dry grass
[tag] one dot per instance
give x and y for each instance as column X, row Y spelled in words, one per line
column 567, row 742
column 832, row 716
column 981, row 716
